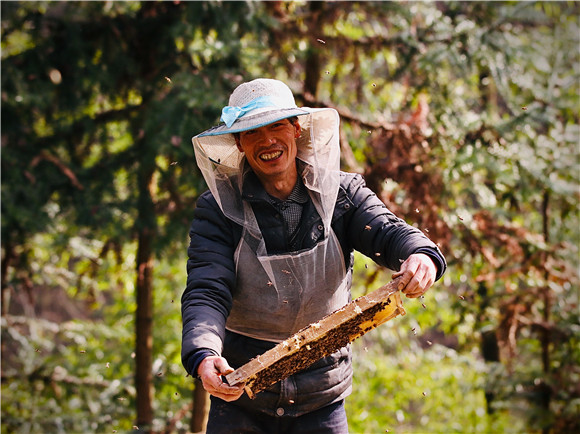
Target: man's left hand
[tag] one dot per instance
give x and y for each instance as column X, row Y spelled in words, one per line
column 417, row 274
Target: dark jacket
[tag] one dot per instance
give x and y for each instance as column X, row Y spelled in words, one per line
column 360, row 221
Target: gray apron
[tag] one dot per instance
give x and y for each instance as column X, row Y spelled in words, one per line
column 277, row 295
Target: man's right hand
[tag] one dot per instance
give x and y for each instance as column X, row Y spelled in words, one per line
column 210, row 370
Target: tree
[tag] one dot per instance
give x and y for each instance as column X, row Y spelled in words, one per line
column 463, row 116
column 91, row 116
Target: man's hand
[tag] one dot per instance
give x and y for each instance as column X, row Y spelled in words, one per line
column 210, row 371
column 417, row 274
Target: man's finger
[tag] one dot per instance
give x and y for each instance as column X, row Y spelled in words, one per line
column 416, row 275
column 405, row 274
column 223, row 367
column 413, row 286
column 211, row 370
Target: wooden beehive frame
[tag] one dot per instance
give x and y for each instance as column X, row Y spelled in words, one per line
column 319, row 339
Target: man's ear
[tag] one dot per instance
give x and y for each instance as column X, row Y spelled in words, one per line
column 298, row 129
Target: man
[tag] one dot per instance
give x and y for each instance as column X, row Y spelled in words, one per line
column 271, row 251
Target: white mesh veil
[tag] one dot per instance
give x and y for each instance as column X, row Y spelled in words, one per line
column 222, row 166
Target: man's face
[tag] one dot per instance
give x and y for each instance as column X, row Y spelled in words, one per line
column 271, row 150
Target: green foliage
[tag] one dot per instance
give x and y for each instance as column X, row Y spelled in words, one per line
column 465, row 114
column 82, row 371
column 78, row 372
column 409, row 389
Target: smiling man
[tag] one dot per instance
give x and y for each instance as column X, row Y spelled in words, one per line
column 271, row 251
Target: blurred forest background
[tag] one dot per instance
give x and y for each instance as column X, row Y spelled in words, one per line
column 463, row 117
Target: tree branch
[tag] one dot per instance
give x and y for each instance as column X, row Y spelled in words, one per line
column 58, row 163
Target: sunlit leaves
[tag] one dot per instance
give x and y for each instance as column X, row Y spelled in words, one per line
column 89, row 90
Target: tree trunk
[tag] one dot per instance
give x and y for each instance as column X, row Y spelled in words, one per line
column 200, row 408
column 543, row 388
column 144, row 314
column 490, row 352
column 313, row 62
column 8, row 254
column 143, row 332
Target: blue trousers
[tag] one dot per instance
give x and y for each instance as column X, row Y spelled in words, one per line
column 228, row 418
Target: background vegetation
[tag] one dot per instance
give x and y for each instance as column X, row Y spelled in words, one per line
column 463, row 117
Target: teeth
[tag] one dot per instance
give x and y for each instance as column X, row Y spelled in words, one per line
column 273, row 155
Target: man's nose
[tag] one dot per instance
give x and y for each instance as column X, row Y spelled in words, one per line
column 266, row 136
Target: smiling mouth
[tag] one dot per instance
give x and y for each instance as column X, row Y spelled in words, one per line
column 270, row 156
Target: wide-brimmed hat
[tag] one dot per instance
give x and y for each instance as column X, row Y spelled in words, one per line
column 255, row 104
